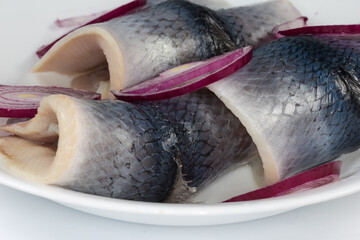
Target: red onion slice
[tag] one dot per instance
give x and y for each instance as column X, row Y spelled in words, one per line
column 77, row 21
column 295, row 23
column 118, row 12
column 187, row 78
column 309, row 179
column 23, row 101
column 321, row 30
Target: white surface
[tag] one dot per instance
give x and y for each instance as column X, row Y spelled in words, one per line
column 195, row 214
column 27, row 217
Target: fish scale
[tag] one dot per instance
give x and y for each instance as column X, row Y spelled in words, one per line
column 319, row 118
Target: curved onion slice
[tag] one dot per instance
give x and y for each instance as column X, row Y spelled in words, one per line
column 187, row 78
column 323, row 30
column 295, row 23
column 23, row 101
column 118, row 12
column 309, row 179
column 77, row 21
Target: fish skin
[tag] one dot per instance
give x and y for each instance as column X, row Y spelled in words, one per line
column 211, row 139
column 299, row 99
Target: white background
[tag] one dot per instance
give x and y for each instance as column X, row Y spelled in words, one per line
column 25, row 25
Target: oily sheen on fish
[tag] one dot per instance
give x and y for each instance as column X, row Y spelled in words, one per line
column 141, row 45
column 299, row 100
column 156, row 152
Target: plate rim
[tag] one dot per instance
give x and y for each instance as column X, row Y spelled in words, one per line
column 165, row 213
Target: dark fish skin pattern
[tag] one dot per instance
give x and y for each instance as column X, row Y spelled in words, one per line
column 195, row 21
column 211, row 139
column 195, row 31
column 130, row 153
column 202, row 23
column 306, row 90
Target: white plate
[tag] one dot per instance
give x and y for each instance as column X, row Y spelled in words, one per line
column 25, row 27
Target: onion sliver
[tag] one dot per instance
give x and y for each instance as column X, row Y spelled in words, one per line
column 321, row 30
column 77, row 21
column 309, row 179
column 295, row 23
column 118, row 12
column 187, row 78
column 23, row 101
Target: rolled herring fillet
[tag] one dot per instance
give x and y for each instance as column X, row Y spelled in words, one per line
column 104, row 148
column 141, row 45
column 299, row 100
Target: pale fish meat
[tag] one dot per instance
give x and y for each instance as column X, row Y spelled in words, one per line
column 163, row 151
column 139, row 46
column 299, row 100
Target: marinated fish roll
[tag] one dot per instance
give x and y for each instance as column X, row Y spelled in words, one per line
column 106, row 148
column 141, row 45
column 299, row 100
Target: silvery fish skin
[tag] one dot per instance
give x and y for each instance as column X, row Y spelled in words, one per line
column 160, row 37
column 163, row 151
column 299, row 100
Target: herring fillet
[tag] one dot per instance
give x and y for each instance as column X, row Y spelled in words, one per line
column 161, row 151
column 141, row 45
column 153, row 40
column 299, row 100
column 97, row 147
